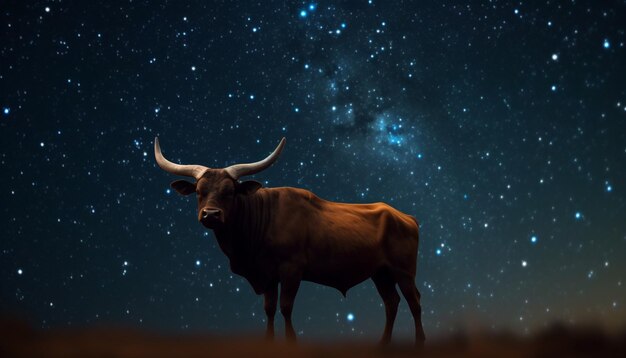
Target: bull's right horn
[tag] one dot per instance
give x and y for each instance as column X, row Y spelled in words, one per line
column 193, row 170
column 238, row 170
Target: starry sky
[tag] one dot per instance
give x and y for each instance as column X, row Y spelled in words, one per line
column 501, row 126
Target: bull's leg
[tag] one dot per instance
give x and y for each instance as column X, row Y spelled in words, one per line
column 412, row 296
column 271, row 298
column 386, row 287
column 289, row 285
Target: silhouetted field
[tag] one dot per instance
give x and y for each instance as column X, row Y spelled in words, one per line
column 19, row 340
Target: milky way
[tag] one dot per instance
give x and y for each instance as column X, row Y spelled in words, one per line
column 501, row 126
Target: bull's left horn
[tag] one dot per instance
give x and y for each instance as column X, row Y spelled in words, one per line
column 193, row 170
column 238, row 170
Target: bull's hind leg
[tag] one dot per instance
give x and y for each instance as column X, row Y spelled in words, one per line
column 412, row 296
column 386, row 287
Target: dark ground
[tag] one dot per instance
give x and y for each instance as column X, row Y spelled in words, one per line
column 18, row 339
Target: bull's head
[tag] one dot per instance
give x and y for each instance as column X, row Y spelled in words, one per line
column 215, row 188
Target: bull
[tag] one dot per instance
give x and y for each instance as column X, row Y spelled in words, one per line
column 280, row 236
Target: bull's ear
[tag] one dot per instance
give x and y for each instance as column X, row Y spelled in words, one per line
column 248, row 187
column 183, row 187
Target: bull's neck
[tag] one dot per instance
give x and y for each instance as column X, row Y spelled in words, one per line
column 247, row 223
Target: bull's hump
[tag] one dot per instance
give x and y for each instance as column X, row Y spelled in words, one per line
column 294, row 195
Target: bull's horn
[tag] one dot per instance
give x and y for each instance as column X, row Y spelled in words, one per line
column 238, row 170
column 195, row 171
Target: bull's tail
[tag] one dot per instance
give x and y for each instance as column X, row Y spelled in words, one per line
column 414, row 219
column 417, row 234
column 417, row 227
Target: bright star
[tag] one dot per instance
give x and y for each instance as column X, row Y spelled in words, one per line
column 303, row 13
column 350, row 317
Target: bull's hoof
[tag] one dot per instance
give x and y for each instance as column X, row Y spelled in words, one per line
column 291, row 338
column 419, row 345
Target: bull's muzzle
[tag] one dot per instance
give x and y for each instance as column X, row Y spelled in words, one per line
column 210, row 217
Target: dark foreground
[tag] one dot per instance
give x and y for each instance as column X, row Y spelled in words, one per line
column 18, row 340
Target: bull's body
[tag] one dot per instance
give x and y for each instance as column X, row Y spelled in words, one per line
column 333, row 244
column 281, row 236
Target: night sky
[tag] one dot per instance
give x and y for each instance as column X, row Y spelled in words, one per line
column 501, row 126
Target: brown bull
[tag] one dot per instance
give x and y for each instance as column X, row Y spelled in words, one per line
column 285, row 235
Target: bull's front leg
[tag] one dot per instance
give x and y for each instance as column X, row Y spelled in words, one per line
column 271, row 298
column 289, row 284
